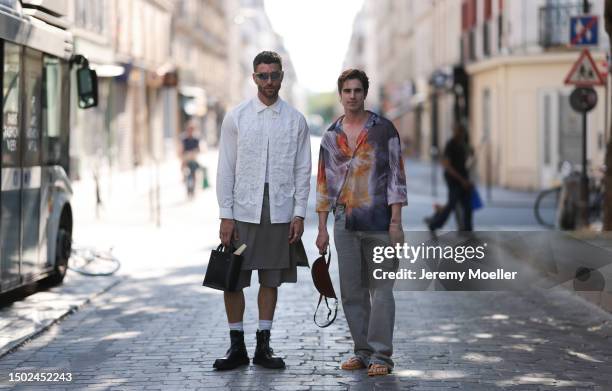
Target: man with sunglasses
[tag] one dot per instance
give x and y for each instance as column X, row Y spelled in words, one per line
column 263, row 180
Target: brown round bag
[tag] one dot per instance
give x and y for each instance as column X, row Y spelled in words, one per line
column 322, row 281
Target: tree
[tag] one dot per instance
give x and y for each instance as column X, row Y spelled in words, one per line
column 607, row 203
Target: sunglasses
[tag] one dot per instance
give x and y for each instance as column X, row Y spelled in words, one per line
column 274, row 76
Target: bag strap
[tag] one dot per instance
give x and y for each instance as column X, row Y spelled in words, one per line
column 229, row 249
column 329, row 310
column 329, row 321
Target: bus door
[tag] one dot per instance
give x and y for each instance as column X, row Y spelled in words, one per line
column 10, row 175
column 31, row 161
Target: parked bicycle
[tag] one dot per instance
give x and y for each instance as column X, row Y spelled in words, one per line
column 91, row 262
column 559, row 206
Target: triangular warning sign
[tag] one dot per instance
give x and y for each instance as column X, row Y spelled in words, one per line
column 584, row 72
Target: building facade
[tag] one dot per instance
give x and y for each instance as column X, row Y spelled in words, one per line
column 495, row 66
column 200, row 53
column 517, row 55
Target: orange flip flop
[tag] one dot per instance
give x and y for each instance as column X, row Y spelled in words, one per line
column 352, row 364
column 378, row 370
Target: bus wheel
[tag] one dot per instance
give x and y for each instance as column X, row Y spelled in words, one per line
column 63, row 250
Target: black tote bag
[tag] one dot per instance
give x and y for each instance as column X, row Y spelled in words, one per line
column 223, row 269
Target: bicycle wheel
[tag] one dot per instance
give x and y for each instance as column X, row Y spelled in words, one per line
column 90, row 262
column 545, row 207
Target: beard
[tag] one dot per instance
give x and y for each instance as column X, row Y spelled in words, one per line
column 270, row 93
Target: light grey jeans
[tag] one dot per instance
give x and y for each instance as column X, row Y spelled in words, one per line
column 369, row 311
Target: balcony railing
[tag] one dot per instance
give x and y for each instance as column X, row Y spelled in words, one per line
column 554, row 24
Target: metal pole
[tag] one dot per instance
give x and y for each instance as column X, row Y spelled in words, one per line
column 584, row 199
column 586, row 7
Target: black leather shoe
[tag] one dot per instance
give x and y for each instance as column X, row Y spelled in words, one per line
column 236, row 355
column 428, row 221
column 264, row 355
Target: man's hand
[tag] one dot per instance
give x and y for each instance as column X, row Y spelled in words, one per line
column 226, row 231
column 396, row 234
column 322, row 241
column 296, row 229
column 467, row 185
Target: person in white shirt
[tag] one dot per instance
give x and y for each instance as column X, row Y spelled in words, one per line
column 263, row 180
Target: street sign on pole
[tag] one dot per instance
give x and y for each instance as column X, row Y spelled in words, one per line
column 584, row 30
column 584, row 72
column 583, row 99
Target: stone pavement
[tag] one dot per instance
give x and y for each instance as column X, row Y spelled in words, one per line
column 163, row 331
column 160, row 329
column 26, row 318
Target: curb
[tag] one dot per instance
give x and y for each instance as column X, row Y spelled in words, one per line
column 39, row 329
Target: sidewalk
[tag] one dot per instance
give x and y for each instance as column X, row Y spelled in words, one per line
column 124, row 224
column 420, row 182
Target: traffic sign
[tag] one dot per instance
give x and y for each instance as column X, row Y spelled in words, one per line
column 584, row 30
column 584, row 72
column 583, row 99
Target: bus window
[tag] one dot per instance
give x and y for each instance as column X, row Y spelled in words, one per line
column 10, row 112
column 32, row 119
column 52, row 111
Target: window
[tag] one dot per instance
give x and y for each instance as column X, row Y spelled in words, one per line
column 570, row 135
column 52, row 111
column 32, row 72
column 486, row 41
column 486, row 115
column 488, row 9
column 10, row 111
column 472, row 45
column 500, row 31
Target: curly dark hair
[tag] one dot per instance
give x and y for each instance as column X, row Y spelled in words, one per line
column 267, row 57
column 354, row 74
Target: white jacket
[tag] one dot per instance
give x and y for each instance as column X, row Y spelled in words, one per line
column 256, row 138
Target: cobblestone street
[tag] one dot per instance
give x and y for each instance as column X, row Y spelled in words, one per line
column 164, row 331
column 160, row 329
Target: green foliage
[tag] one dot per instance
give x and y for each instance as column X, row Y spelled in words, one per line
column 323, row 104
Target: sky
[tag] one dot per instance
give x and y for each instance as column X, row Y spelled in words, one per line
column 316, row 34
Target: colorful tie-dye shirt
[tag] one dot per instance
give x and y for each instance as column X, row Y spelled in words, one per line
column 366, row 181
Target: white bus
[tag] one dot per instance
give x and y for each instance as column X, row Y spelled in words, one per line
column 38, row 63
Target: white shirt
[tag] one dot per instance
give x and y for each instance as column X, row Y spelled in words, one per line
column 256, row 138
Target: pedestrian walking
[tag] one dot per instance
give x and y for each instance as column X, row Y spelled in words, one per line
column 190, row 148
column 361, row 179
column 263, row 180
column 456, row 175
